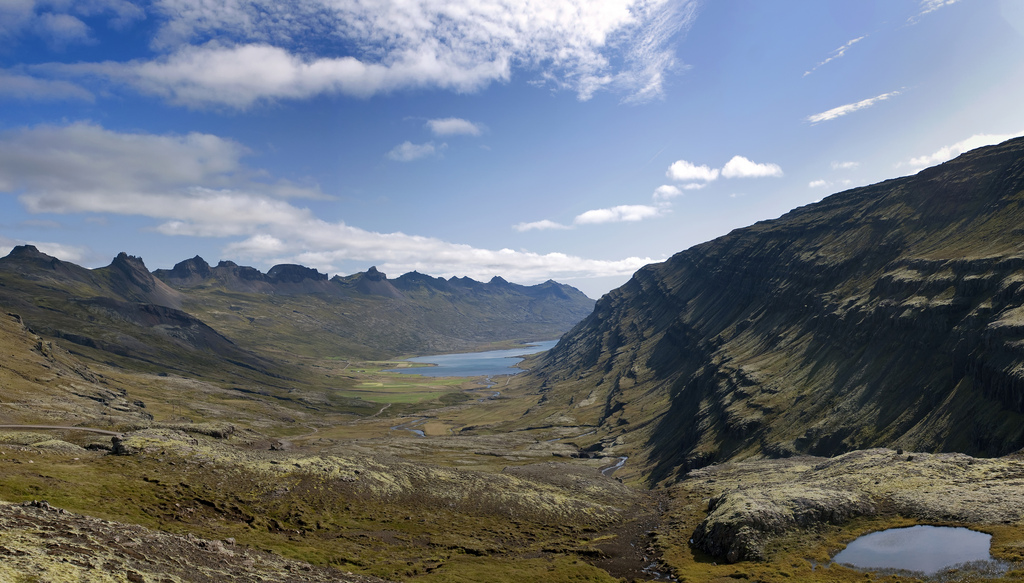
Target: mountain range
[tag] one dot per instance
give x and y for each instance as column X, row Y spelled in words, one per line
column 229, row 320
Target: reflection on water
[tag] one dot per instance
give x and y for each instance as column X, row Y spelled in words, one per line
column 473, row 364
column 927, row 549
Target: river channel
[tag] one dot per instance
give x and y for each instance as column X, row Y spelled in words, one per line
column 475, row 364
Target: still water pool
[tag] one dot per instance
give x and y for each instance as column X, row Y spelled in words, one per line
column 928, row 549
column 474, row 364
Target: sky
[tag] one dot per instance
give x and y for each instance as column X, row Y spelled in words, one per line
column 571, row 140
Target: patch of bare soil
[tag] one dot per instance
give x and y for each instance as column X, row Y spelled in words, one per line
column 630, row 554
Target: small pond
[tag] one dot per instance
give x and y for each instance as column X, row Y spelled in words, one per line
column 474, row 364
column 926, row 549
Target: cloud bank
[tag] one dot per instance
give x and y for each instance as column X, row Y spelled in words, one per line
column 197, row 185
column 237, row 54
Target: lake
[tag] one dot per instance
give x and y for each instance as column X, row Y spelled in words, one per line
column 927, row 549
column 475, row 364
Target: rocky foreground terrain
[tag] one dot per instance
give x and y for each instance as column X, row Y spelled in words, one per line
column 39, row 542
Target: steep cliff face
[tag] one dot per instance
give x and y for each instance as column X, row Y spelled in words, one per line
column 889, row 315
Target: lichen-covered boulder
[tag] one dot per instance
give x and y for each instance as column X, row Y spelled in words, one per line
column 740, row 522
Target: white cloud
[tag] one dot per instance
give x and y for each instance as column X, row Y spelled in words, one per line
column 850, row 108
column 15, row 15
column 59, row 22
column 845, row 165
column 85, row 168
column 841, row 51
column 740, row 167
column 667, row 191
column 542, row 225
column 928, row 6
column 18, row 86
column 619, row 214
column 72, row 253
column 453, row 126
column 648, row 57
column 195, row 185
column 682, row 170
column 736, row 167
column 408, row 151
column 949, row 152
column 829, row 183
column 62, row 29
column 248, row 51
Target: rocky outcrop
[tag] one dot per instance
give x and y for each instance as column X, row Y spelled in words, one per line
column 884, row 315
column 187, row 272
column 752, row 504
column 739, row 523
column 290, row 273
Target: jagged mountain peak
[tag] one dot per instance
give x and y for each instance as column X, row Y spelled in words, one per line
column 194, row 267
column 132, row 267
column 28, row 252
column 128, row 278
column 373, row 275
column 291, row 273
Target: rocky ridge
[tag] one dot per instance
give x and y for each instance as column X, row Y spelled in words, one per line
column 887, row 315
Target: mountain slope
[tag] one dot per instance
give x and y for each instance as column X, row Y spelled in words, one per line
column 888, row 315
column 367, row 315
column 121, row 314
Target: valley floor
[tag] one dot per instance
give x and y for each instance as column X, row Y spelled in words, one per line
column 438, row 480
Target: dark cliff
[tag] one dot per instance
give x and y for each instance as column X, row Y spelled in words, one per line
column 888, row 315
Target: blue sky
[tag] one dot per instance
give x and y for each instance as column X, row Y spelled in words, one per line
column 532, row 139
